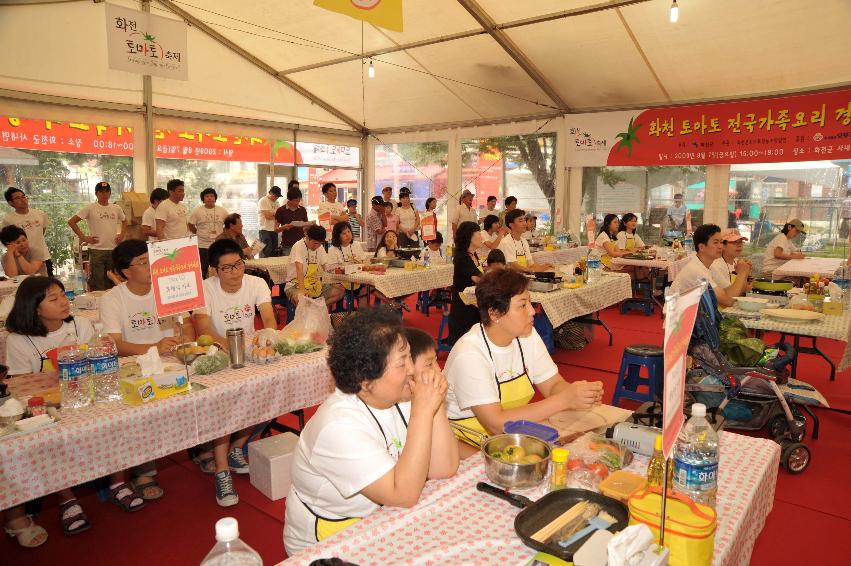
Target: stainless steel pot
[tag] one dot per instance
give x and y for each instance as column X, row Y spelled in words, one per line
column 510, row 475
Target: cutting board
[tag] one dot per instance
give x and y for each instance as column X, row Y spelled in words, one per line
column 571, row 424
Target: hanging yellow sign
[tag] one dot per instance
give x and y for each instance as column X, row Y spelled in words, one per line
column 382, row 13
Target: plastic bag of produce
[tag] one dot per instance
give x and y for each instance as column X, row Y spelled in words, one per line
column 310, row 323
column 211, row 363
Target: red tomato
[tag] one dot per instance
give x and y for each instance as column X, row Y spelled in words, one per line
column 599, row 469
column 575, row 464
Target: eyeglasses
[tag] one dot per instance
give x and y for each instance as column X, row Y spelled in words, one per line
column 228, row 267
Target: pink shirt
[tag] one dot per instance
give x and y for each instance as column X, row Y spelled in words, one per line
column 393, row 222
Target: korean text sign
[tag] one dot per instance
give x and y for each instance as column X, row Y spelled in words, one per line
column 680, row 314
column 139, row 42
column 176, row 275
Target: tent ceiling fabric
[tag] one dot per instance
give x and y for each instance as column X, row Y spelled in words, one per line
column 615, row 54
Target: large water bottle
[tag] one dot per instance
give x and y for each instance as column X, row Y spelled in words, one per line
column 79, row 286
column 426, row 257
column 74, row 382
column 688, row 244
column 594, row 266
column 229, row 549
column 103, row 364
column 696, row 458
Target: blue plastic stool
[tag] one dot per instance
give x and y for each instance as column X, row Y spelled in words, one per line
column 629, row 376
column 443, row 331
column 545, row 330
column 644, row 304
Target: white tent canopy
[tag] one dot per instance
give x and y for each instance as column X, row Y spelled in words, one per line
column 457, row 62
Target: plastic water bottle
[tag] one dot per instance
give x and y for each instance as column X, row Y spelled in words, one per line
column 79, row 282
column 689, row 245
column 593, row 266
column 449, row 253
column 426, row 256
column 103, row 364
column 74, row 382
column 230, row 550
column 696, row 458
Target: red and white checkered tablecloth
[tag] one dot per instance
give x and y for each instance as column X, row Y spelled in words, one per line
column 825, row 266
column 397, row 282
column 560, row 257
column 94, row 441
column 562, row 305
column 453, row 523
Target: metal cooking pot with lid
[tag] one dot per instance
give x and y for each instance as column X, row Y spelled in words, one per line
column 772, row 285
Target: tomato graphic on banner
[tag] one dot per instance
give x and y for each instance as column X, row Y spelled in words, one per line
column 176, row 275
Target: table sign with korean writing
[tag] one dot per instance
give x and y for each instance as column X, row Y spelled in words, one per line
column 176, row 275
column 140, row 42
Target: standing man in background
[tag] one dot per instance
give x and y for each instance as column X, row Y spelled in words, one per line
column 490, row 208
column 376, row 223
column 387, row 195
column 510, row 204
column 149, row 217
column 171, row 213
column 464, row 212
column 107, row 228
column 207, row 222
column 290, row 212
column 355, row 218
column 33, row 221
column 266, row 208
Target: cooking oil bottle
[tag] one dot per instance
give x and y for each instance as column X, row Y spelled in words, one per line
column 656, row 467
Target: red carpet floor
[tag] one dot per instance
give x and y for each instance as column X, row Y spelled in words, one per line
column 810, row 522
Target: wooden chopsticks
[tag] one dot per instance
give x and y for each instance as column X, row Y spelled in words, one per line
column 549, row 530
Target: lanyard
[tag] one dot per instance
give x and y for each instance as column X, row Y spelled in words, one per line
column 522, row 247
column 490, row 355
column 381, row 428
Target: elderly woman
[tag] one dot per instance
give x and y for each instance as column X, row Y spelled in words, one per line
column 466, row 271
column 376, row 439
column 495, row 368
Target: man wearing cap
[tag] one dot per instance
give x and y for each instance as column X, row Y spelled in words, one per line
column 33, row 221
column 464, row 212
column 387, row 195
column 781, row 249
column 107, row 229
column 730, row 270
column 409, row 220
column 171, row 213
column 375, row 223
column 266, row 208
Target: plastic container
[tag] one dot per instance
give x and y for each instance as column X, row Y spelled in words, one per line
column 74, row 381
column 538, row 430
column 558, row 472
column 103, row 364
column 229, row 549
column 621, row 484
column 696, row 458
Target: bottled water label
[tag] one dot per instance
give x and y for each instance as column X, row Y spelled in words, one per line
column 70, row 370
column 698, row 477
column 104, row 365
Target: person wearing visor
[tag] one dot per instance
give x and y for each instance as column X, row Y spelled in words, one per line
column 781, row 249
column 731, row 271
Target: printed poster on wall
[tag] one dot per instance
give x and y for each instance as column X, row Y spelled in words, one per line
column 140, row 42
column 680, row 314
column 805, row 127
column 176, row 275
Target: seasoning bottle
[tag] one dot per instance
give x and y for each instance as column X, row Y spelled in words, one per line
column 36, row 406
column 558, row 475
column 656, row 467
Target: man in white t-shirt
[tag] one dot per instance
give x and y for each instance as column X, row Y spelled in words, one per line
column 207, row 222
column 730, row 265
column 464, row 212
column 307, row 262
column 266, row 208
column 33, row 221
column 171, row 213
column 387, row 196
column 516, row 248
column 107, row 229
column 232, row 298
column 149, row 217
column 128, row 311
column 531, row 226
column 490, row 208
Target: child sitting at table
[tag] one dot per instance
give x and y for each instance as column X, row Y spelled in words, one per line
column 388, row 244
column 232, row 297
column 495, row 260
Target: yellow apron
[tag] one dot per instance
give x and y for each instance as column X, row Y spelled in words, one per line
column 516, row 392
column 312, row 280
column 325, row 527
column 521, row 260
column 351, row 259
column 606, row 260
column 630, row 242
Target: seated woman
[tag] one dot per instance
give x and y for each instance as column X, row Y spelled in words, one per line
column 606, row 240
column 493, row 232
column 41, row 321
column 388, row 244
column 467, row 270
column 495, row 368
column 20, row 258
column 781, row 249
column 376, row 439
column 628, row 240
column 343, row 248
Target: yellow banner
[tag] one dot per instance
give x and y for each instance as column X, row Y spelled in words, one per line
column 382, row 13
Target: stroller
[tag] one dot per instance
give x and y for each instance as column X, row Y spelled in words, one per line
column 750, row 398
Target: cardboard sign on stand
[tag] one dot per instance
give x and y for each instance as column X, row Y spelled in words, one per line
column 428, row 226
column 176, row 275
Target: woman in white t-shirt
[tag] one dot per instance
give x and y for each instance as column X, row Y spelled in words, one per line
column 493, row 233
column 330, row 211
column 781, row 249
column 409, row 220
column 606, row 240
column 388, row 244
column 628, row 240
column 495, row 368
column 343, row 248
column 377, row 438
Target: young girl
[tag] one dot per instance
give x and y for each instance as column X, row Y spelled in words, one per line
column 631, row 242
column 391, row 216
column 605, row 240
column 388, row 244
column 409, row 220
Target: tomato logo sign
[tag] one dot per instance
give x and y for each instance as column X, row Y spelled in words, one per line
column 365, row 4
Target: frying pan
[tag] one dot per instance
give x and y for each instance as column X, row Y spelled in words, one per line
column 771, row 285
column 537, row 514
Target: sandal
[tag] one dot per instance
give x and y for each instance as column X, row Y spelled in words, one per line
column 207, row 465
column 28, row 534
column 70, row 513
column 124, row 497
column 142, row 488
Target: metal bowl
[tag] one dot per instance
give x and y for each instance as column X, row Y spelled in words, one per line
column 508, row 475
column 186, row 358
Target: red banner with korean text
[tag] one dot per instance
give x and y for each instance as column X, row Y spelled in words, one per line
column 73, row 137
column 806, row 127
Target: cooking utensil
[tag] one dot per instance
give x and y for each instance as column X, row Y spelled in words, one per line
column 771, row 285
column 538, row 514
column 599, row 523
column 752, row 303
column 408, row 253
column 516, row 475
column 792, row 315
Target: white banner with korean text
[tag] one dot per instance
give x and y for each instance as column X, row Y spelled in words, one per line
column 140, row 42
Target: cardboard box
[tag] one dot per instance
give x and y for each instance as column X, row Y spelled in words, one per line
column 831, row 307
column 134, row 204
column 269, row 463
column 139, row 390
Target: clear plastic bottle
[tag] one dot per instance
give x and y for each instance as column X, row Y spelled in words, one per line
column 103, row 364
column 696, row 458
column 229, row 549
column 75, row 387
column 594, row 266
column 689, row 244
column 426, row 257
column 558, row 474
column 79, row 282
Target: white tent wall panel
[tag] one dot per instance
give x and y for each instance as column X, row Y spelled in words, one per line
column 510, row 10
column 728, row 48
column 60, row 50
